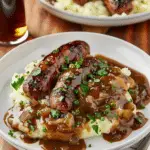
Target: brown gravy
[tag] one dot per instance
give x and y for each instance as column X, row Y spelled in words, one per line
column 57, row 145
column 122, row 131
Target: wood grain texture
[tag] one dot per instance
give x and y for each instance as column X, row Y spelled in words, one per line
column 138, row 35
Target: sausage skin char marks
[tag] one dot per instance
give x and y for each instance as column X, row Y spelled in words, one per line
column 39, row 83
column 113, row 6
column 119, row 6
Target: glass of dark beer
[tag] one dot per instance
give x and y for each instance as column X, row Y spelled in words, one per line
column 12, row 22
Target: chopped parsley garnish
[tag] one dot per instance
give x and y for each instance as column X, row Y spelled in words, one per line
column 78, row 63
column 22, row 103
column 46, row 63
column 76, row 91
column 18, row 83
column 28, row 72
column 55, row 51
column 77, row 124
column 107, row 106
column 90, row 76
column 129, row 100
column 38, row 113
column 113, row 87
column 95, row 128
column 11, row 133
column 44, row 129
column 98, row 115
column 102, row 72
column 131, row 91
column 29, row 121
column 142, row 106
column 113, row 104
column 64, row 67
column 76, row 112
column 89, row 145
column 36, row 72
column 16, row 76
column 139, row 120
column 76, row 102
column 66, row 59
column 31, row 127
column 55, row 113
column 103, row 65
column 102, row 119
column 61, row 98
column 84, row 89
column 92, row 118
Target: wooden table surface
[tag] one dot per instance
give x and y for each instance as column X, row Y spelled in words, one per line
column 138, row 35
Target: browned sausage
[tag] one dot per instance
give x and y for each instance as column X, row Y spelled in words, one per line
column 62, row 96
column 42, row 79
column 119, row 6
column 81, row 2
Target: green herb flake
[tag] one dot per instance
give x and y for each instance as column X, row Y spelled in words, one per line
column 28, row 72
column 76, row 91
column 77, row 124
column 113, row 87
column 44, row 129
column 142, row 106
column 11, row 133
column 78, row 63
column 55, row 51
column 95, row 128
column 102, row 72
column 36, row 72
column 131, row 91
column 18, row 83
column 55, row 113
column 139, row 120
column 76, row 112
column 38, row 113
column 97, row 114
column 31, row 127
column 22, row 103
column 102, row 118
column 76, row 102
column 16, row 76
column 66, row 59
column 89, row 145
column 64, row 67
column 29, row 121
column 91, row 118
column 84, row 89
column 103, row 65
column 130, row 100
column 90, row 76
column 46, row 63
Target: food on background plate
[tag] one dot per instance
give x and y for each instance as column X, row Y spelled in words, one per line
column 70, row 95
column 103, row 7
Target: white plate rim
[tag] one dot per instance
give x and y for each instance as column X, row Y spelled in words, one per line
column 141, row 135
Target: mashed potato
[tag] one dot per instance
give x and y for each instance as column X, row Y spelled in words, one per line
column 97, row 8
column 18, row 96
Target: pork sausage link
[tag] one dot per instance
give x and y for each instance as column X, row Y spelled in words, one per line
column 42, row 79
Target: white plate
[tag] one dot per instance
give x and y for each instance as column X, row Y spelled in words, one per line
column 96, row 21
column 16, row 60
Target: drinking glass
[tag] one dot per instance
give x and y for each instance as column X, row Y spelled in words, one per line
column 13, row 29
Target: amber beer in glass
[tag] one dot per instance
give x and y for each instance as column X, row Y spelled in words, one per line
column 12, row 22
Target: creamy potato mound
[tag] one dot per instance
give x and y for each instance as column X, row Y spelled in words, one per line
column 97, row 8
